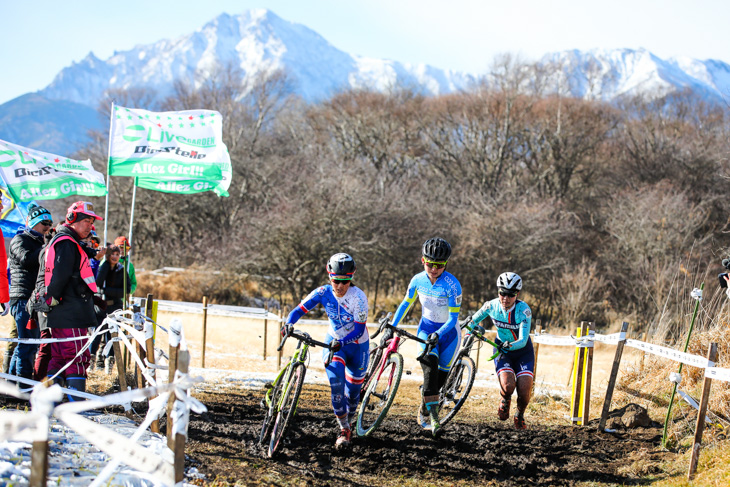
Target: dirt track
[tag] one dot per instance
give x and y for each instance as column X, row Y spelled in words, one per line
column 476, row 448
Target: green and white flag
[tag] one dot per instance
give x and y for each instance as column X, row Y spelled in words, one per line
column 175, row 152
column 30, row 174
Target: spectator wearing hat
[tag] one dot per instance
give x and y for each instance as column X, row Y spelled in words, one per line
column 111, row 282
column 70, row 287
column 25, row 248
column 94, row 242
column 123, row 244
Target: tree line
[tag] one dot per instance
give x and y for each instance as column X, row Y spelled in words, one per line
column 609, row 211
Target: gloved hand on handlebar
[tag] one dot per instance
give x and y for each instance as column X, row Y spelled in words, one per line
column 504, row 347
column 335, row 345
column 286, row 329
column 432, row 340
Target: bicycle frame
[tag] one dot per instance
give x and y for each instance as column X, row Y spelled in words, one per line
column 299, row 354
column 392, row 347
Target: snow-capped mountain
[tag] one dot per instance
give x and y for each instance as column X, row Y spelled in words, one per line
column 255, row 41
column 259, row 41
column 609, row 74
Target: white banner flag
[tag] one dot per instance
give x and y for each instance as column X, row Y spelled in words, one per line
column 174, row 152
column 31, row 174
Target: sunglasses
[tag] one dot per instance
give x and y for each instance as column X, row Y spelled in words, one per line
column 507, row 295
column 47, row 223
column 340, row 281
column 434, row 265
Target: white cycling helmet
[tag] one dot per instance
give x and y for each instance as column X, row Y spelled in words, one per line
column 509, row 281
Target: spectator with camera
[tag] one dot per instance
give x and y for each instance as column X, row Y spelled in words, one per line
column 725, row 277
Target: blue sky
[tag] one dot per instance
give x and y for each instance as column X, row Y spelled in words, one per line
column 38, row 38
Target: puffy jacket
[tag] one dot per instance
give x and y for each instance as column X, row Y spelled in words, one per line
column 25, row 247
column 76, row 308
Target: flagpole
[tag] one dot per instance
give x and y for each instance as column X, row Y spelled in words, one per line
column 108, row 164
column 131, row 226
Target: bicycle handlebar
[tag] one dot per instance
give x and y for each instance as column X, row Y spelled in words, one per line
column 304, row 337
column 383, row 322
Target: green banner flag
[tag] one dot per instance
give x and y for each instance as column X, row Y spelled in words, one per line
column 30, row 174
column 175, row 152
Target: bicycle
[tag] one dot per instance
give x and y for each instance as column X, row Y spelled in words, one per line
column 382, row 379
column 282, row 396
column 461, row 377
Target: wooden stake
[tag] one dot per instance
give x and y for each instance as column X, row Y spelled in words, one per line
column 170, row 402
column 643, row 354
column 536, row 347
column 612, row 378
column 39, row 464
column 121, row 370
column 179, row 443
column 700, row 426
column 150, row 347
column 205, row 326
column 266, row 328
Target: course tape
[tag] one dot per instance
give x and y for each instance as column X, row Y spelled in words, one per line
column 717, row 373
column 670, row 353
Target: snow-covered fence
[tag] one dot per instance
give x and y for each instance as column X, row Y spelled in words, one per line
column 164, row 466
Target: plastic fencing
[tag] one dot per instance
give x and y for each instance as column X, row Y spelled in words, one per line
column 163, row 468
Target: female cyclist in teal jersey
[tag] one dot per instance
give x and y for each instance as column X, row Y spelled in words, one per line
column 440, row 295
column 516, row 364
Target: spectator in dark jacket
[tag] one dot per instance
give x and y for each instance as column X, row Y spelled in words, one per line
column 25, row 247
column 110, row 283
column 70, row 287
column 43, row 357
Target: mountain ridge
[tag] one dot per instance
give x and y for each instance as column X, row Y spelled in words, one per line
column 259, row 41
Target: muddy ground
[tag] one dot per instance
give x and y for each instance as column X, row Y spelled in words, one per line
column 476, row 449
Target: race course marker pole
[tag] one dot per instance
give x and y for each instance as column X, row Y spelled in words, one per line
column 205, row 326
column 612, row 377
column 700, row 427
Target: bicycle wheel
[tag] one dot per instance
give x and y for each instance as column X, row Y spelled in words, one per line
column 270, row 416
column 456, row 389
column 379, row 396
column 287, row 407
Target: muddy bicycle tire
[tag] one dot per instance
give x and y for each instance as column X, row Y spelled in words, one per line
column 288, row 407
column 270, row 416
column 456, row 389
column 379, row 396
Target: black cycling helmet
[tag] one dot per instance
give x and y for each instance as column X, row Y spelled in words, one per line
column 436, row 249
column 341, row 266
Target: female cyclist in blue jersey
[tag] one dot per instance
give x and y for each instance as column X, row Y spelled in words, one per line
column 516, row 364
column 347, row 309
column 440, row 295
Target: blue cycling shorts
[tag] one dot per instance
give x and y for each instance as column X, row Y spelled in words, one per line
column 520, row 362
column 447, row 348
column 354, row 356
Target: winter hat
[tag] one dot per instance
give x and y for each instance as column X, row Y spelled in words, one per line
column 37, row 214
column 80, row 211
column 122, row 242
